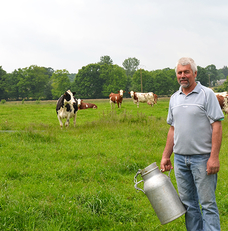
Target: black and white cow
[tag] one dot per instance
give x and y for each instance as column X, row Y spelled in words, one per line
column 67, row 107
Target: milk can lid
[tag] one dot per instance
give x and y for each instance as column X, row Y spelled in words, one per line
column 149, row 169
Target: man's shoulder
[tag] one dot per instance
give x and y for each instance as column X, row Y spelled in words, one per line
column 209, row 93
column 205, row 89
column 176, row 93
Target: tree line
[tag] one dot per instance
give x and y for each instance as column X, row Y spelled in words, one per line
column 98, row 80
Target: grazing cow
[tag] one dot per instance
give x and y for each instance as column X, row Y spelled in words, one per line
column 155, row 100
column 82, row 105
column 139, row 97
column 223, row 102
column 67, row 107
column 116, row 98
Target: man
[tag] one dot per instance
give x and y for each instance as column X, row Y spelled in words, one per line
column 195, row 137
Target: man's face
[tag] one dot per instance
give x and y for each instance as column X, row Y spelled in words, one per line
column 185, row 76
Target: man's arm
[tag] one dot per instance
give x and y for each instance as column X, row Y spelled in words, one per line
column 166, row 164
column 213, row 162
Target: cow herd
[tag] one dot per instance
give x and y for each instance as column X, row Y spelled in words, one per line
column 67, row 105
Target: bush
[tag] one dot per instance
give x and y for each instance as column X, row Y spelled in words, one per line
column 3, row 101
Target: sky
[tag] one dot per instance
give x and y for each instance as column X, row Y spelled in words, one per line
column 70, row 34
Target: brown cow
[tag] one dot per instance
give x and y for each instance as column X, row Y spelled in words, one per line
column 82, row 105
column 116, row 98
column 221, row 93
column 155, row 100
column 223, row 102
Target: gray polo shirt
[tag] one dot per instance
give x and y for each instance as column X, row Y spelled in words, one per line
column 192, row 116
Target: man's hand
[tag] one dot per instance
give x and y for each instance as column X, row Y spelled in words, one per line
column 166, row 164
column 212, row 166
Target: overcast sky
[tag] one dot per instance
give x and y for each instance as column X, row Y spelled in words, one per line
column 70, row 34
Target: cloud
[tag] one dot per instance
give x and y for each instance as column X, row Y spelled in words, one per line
column 74, row 33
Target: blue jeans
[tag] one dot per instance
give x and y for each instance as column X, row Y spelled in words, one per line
column 194, row 187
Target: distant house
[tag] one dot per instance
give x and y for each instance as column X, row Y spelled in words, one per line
column 220, row 82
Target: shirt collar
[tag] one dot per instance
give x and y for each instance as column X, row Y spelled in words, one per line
column 195, row 90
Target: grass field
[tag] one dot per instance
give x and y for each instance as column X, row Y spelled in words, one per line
column 82, row 178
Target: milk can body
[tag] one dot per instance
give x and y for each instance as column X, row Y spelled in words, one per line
column 161, row 194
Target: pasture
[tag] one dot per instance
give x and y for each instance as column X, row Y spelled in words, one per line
column 82, row 178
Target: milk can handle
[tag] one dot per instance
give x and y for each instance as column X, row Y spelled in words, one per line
column 169, row 172
column 136, row 183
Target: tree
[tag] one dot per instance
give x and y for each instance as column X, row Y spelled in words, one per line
column 48, row 85
column 98, row 81
column 3, row 78
column 130, row 65
column 71, row 77
column 60, row 83
column 161, row 82
column 87, row 82
column 41, row 76
column 202, row 76
column 105, row 60
column 224, row 70
column 212, row 73
column 147, row 81
column 32, row 82
column 12, row 83
column 225, row 85
column 221, row 76
column 49, row 71
column 113, row 78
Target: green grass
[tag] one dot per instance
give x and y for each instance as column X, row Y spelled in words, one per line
column 82, row 178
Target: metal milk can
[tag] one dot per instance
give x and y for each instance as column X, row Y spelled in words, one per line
column 161, row 193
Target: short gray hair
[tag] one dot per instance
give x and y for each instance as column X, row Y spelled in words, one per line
column 185, row 61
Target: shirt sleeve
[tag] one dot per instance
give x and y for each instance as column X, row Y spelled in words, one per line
column 170, row 114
